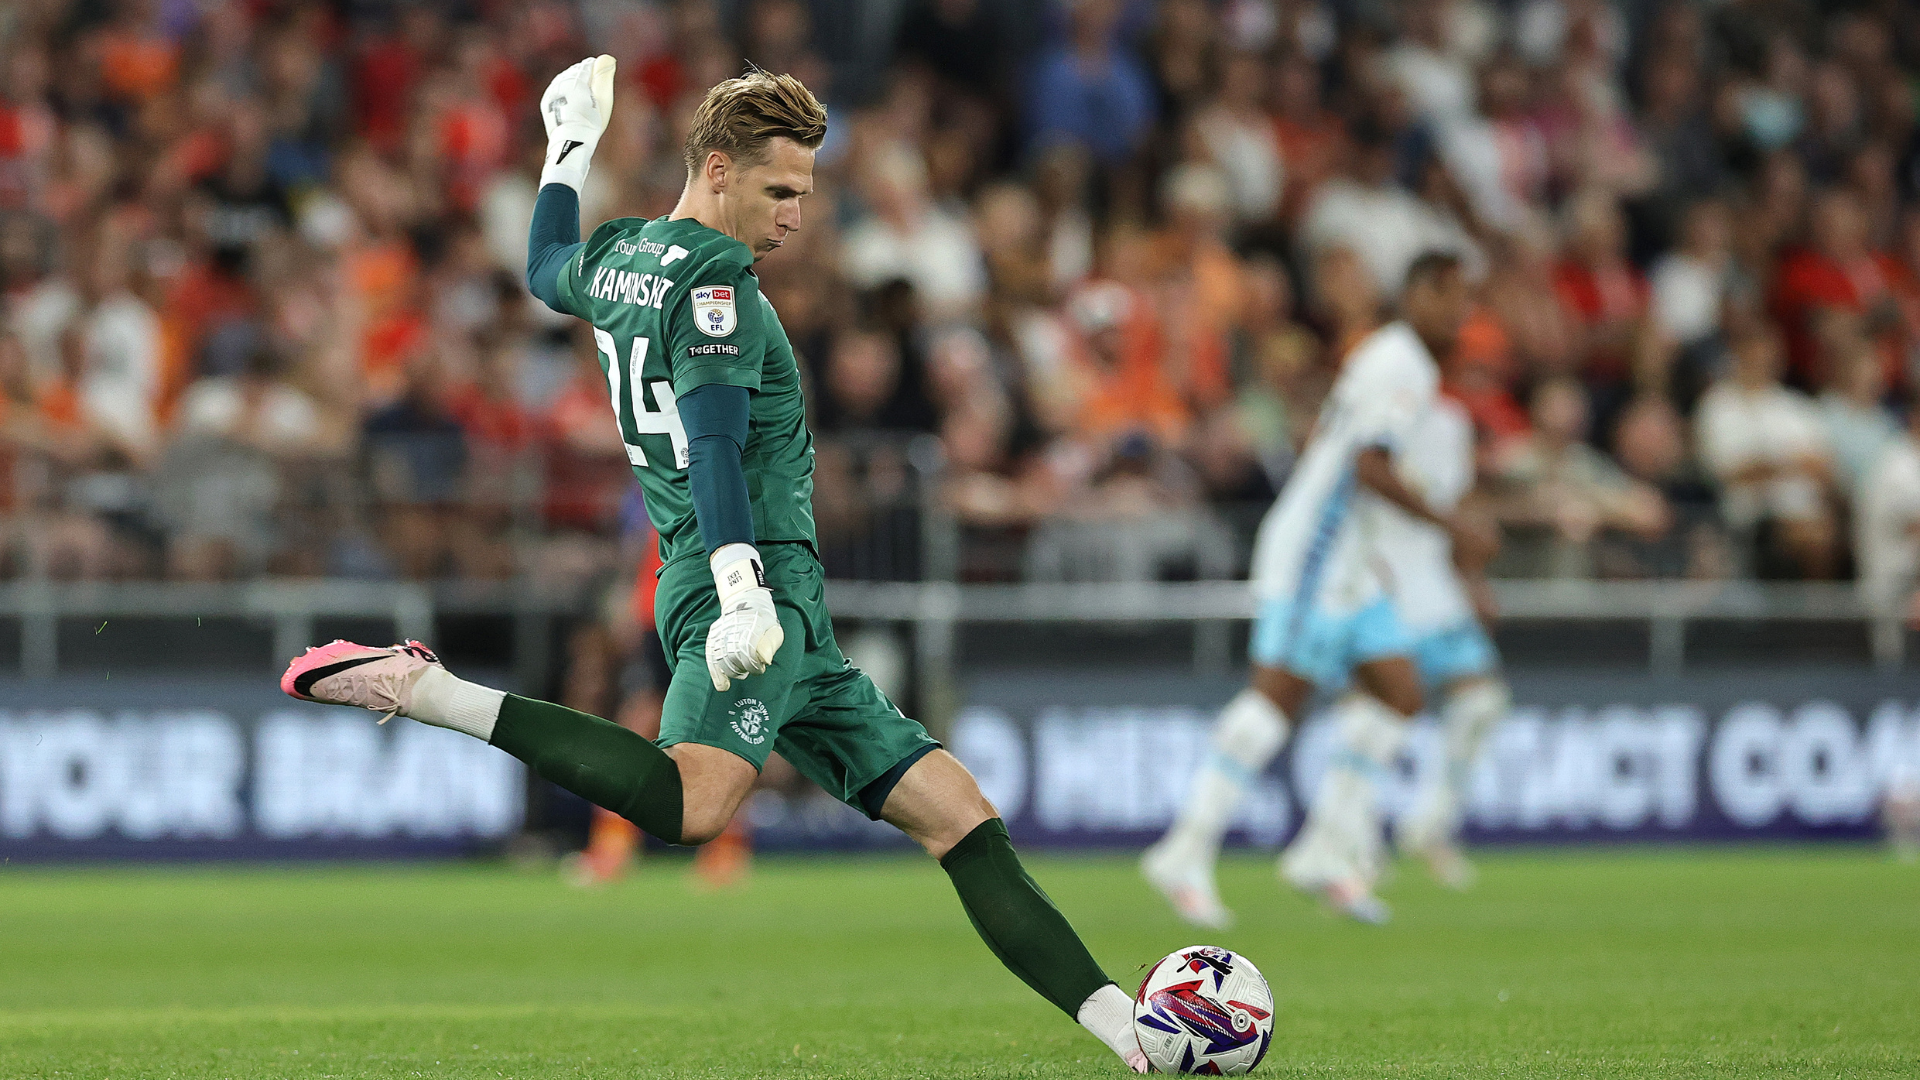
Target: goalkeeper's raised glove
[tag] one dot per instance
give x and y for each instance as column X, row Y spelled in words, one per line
column 576, row 107
column 742, row 641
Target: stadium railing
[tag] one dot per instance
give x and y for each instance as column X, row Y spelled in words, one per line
column 933, row 612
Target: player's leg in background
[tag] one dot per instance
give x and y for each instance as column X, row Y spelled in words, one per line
column 1470, row 708
column 1336, row 853
column 938, row 804
column 1250, row 731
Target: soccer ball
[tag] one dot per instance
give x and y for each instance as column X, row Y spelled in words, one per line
column 1204, row 1010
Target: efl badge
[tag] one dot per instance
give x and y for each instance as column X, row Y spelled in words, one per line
column 713, row 310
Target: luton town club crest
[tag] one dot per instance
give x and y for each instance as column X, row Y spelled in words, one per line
column 749, row 720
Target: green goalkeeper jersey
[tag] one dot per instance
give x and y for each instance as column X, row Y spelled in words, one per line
column 675, row 305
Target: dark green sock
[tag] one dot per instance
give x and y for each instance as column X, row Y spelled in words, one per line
column 1017, row 920
column 598, row 760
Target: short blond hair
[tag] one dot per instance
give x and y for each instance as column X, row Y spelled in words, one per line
column 741, row 116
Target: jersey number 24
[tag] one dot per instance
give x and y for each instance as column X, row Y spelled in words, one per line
column 663, row 421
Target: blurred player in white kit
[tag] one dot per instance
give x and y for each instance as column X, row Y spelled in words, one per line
column 1325, row 615
column 1442, row 600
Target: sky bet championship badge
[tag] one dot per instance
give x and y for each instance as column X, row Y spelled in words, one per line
column 713, row 310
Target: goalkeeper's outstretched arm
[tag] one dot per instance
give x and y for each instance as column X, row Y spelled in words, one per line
column 575, row 108
column 554, row 238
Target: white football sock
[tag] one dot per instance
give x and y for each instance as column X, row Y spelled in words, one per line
column 1108, row 1013
column 1468, row 716
column 445, row 700
column 1341, row 836
column 1251, row 729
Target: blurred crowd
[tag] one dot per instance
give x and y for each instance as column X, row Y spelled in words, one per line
column 1075, row 279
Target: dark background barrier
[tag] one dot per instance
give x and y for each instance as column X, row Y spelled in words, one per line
column 1074, row 758
column 228, row 768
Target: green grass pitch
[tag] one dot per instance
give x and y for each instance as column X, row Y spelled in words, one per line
column 1627, row 963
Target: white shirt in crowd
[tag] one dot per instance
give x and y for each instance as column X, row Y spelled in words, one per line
column 1416, row 559
column 123, row 368
column 1887, row 526
column 287, row 419
column 1440, row 86
column 1308, row 547
column 1687, row 295
column 1387, row 227
column 937, row 253
column 1501, row 168
column 1249, row 156
column 1739, row 428
column 1858, row 435
column 38, row 316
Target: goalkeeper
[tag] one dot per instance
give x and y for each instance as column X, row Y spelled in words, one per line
column 706, row 392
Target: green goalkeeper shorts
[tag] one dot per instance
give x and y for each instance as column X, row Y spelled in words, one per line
column 812, row 705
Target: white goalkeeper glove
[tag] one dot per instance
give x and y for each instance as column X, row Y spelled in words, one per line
column 742, row 641
column 576, row 107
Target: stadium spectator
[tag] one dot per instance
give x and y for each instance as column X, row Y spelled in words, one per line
column 1689, row 283
column 1088, row 89
column 1604, row 294
column 1347, row 298
column 1200, row 289
column 219, row 487
column 1367, row 211
column 417, row 462
column 1677, row 127
column 1498, row 155
column 959, row 40
column 1114, row 384
column 1650, row 442
column 1853, row 411
column 1836, row 271
column 1540, row 329
column 1311, row 137
column 1239, row 139
column 1887, row 524
column 1556, row 492
column 1061, row 180
column 908, row 237
column 1765, row 445
column 1277, row 369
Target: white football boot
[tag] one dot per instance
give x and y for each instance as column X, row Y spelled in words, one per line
column 1189, row 887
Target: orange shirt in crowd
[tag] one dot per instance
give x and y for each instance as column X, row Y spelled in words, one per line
column 1134, row 393
column 382, row 277
column 1479, row 375
column 646, row 581
column 1218, row 300
column 59, row 406
column 136, row 66
column 386, row 348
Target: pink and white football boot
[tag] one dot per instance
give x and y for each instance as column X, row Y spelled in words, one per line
column 342, row 673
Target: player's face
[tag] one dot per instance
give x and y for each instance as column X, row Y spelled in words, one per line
column 765, row 198
column 1437, row 307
